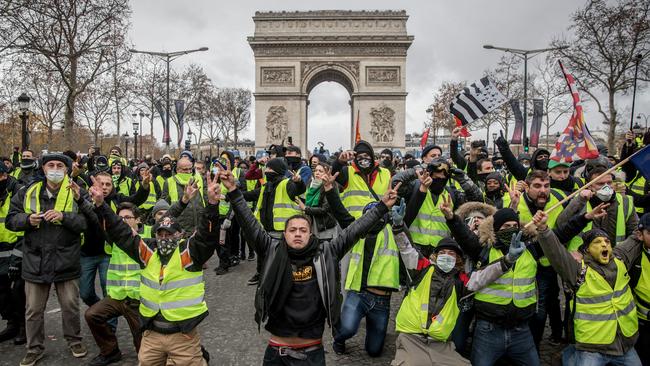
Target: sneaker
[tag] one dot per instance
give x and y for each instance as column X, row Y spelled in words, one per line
column 221, row 270
column 101, row 360
column 254, row 280
column 251, row 257
column 339, row 348
column 234, row 261
column 78, row 350
column 31, row 358
column 21, row 337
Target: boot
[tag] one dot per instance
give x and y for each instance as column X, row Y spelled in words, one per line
column 9, row 332
column 21, row 337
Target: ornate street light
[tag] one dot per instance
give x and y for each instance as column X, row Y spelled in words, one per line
column 135, row 140
column 23, row 105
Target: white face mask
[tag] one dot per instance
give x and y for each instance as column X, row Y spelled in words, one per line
column 55, row 175
column 446, row 262
column 605, row 193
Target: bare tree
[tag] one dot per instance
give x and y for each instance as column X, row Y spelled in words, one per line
column 607, row 37
column 191, row 86
column 95, row 106
column 149, row 84
column 76, row 37
column 439, row 114
column 235, row 106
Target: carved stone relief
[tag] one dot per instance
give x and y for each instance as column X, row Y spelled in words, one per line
column 378, row 75
column 383, row 123
column 329, row 50
column 276, row 124
column 274, row 76
column 351, row 66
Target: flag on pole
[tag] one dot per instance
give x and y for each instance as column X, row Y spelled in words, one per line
column 536, row 124
column 357, row 135
column 519, row 122
column 576, row 142
column 463, row 131
column 641, row 161
column 161, row 111
column 476, row 100
column 425, row 137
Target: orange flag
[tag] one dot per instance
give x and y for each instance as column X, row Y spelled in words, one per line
column 357, row 136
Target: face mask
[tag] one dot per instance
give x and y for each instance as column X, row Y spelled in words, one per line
column 542, row 164
column 166, row 173
column 55, row 176
column 564, row 185
column 3, row 185
column 446, row 262
column 316, row 183
column 505, row 235
column 364, row 163
column 498, row 166
column 167, row 246
column 271, row 176
column 386, row 163
column 438, row 185
column 28, row 164
column 184, row 177
column 526, row 165
column 605, row 193
column 482, row 176
column 293, row 161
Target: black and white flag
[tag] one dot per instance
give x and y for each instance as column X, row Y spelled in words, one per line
column 476, row 100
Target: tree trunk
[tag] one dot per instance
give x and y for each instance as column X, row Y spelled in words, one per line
column 611, row 133
column 70, row 102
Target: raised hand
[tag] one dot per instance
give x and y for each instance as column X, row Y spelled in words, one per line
column 96, row 193
column 540, row 220
column 76, row 191
column 191, row 189
column 295, row 177
column 455, row 133
column 586, row 194
column 425, row 180
column 213, row 188
column 347, row 156
column 329, row 179
column 501, row 140
column 228, row 180
column 300, row 203
column 514, row 194
column 397, row 213
column 597, row 212
column 391, row 196
column 517, row 247
column 147, row 177
column 521, row 186
column 445, row 206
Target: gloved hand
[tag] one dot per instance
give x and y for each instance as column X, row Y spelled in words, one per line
column 226, row 224
column 517, row 247
column 14, row 272
column 397, row 213
column 501, row 140
column 459, row 175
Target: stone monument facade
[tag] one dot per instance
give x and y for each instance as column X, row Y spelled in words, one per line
column 365, row 51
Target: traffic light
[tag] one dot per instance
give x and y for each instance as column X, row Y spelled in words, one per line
column 526, row 141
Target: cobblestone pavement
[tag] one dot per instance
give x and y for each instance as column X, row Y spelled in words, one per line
column 230, row 333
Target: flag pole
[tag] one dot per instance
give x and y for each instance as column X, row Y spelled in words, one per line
column 589, row 184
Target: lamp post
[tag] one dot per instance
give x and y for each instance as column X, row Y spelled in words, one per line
column 524, row 55
column 135, row 140
column 168, row 57
column 126, row 141
column 645, row 118
column 637, row 60
column 23, row 105
column 141, row 114
column 188, row 142
column 494, row 143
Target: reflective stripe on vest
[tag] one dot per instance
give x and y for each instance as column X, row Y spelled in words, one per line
column 283, row 206
column 357, row 195
column 123, row 276
column 623, row 213
column 600, row 310
column 64, row 199
column 224, row 206
column 384, row 268
column 430, row 225
column 6, row 235
column 152, row 198
column 642, row 289
column 179, row 296
column 516, row 286
column 413, row 315
column 637, row 185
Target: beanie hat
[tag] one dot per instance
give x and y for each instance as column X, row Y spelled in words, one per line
column 412, row 163
column 428, row 148
column 644, row 222
column 119, row 149
column 160, row 205
column 496, row 176
column 187, row 154
column 57, row 157
column 448, row 243
column 590, row 236
column 3, row 168
column 502, row 216
column 387, row 152
column 278, row 165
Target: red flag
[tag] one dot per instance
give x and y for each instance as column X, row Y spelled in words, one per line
column 463, row 131
column 425, row 137
column 576, row 141
column 357, row 136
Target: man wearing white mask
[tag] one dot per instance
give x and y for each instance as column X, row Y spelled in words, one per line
column 49, row 214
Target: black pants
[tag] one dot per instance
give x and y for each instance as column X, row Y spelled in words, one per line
column 233, row 238
column 314, row 358
column 12, row 299
column 548, row 304
column 643, row 344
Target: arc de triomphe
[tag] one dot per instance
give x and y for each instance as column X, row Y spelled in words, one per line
column 365, row 51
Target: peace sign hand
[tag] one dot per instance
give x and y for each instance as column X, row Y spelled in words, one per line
column 295, row 177
column 96, row 193
column 391, row 195
column 425, row 180
column 213, row 188
column 76, row 190
column 446, row 207
column 191, row 189
column 146, row 178
column 228, row 180
column 514, row 194
column 329, row 179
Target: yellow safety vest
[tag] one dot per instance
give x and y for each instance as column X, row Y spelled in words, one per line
column 516, row 286
column 180, row 295
column 224, row 206
column 251, row 184
column 413, row 314
column 64, row 198
column 637, row 185
column 7, row 236
column 124, row 186
column 172, row 187
column 600, row 310
column 283, row 206
column 152, row 198
column 430, row 225
column 16, row 172
column 123, row 276
column 357, row 195
column 642, row 290
column 384, row 268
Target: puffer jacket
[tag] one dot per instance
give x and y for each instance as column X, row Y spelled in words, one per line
column 50, row 251
column 326, row 263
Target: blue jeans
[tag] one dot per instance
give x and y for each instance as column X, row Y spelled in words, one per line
column 90, row 265
column 571, row 356
column 492, row 341
column 376, row 310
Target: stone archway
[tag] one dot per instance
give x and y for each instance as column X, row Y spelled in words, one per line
column 365, row 51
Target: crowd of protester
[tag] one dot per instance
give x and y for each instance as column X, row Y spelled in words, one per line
column 465, row 239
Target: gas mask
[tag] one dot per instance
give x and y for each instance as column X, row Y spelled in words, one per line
column 364, row 163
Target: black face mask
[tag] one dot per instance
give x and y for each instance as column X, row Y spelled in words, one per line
column 498, row 166
column 365, row 165
column 3, row 185
column 437, row 185
column 28, row 164
column 272, row 176
column 293, row 162
column 542, row 164
column 166, row 173
column 387, row 163
column 564, row 185
column 505, row 236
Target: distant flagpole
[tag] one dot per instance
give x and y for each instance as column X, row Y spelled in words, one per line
column 357, row 135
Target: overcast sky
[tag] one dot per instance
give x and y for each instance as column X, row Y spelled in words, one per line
column 448, row 46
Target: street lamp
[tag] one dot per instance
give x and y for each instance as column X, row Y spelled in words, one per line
column 645, row 117
column 188, row 142
column 23, row 105
column 135, row 140
column 126, row 141
column 524, row 55
column 141, row 114
column 168, row 57
column 637, row 60
column 494, row 143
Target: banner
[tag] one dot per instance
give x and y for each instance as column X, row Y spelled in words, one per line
column 536, row 124
column 519, row 122
column 179, row 105
column 161, row 111
column 475, row 101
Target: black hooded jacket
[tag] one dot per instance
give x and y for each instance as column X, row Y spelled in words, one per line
column 514, row 166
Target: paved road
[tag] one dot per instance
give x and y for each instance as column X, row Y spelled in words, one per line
column 230, row 333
